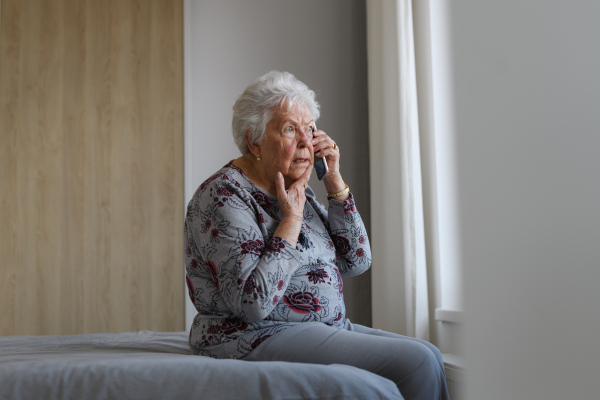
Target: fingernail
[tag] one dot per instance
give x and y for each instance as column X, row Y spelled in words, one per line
column 279, row 174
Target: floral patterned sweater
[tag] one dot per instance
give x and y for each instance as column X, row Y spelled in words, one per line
column 248, row 284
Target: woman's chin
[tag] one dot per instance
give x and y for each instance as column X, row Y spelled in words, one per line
column 297, row 169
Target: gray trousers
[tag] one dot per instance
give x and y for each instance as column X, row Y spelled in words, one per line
column 414, row 365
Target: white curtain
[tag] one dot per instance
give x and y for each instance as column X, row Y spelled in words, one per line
column 399, row 271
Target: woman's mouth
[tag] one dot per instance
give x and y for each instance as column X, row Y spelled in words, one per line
column 300, row 160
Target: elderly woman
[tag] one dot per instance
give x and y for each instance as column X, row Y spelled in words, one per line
column 265, row 259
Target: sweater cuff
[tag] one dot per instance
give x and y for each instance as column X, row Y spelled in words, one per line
column 347, row 205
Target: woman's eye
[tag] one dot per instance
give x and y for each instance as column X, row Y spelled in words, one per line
column 310, row 128
column 289, row 128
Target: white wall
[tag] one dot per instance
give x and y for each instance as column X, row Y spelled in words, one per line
column 527, row 91
column 229, row 43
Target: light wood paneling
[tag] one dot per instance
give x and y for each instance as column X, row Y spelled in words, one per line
column 91, row 169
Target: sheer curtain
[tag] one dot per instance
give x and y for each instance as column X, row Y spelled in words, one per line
column 399, row 271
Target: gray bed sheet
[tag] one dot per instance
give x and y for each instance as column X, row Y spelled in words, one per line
column 159, row 365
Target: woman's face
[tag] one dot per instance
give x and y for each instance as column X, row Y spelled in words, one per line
column 287, row 146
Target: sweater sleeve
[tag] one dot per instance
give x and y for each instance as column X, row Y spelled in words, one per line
column 349, row 236
column 250, row 271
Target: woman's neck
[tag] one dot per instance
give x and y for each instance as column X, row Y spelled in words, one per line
column 255, row 176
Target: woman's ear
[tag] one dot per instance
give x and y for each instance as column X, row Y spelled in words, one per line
column 254, row 148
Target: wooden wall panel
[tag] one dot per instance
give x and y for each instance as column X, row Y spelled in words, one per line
column 91, row 166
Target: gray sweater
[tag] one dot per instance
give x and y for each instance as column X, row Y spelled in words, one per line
column 248, row 284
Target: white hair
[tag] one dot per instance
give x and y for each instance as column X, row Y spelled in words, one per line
column 255, row 108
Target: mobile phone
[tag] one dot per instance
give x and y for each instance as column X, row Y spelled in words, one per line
column 320, row 164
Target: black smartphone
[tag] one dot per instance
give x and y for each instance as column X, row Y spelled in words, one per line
column 320, row 164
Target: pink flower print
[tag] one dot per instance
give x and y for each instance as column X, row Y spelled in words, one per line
column 208, row 181
column 214, row 329
column 252, row 247
column 349, row 205
column 190, row 287
column 250, row 285
column 302, row 302
column 340, row 281
column 224, row 192
column 342, row 244
column 275, row 244
column 317, row 275
column 212, row 270
column 233, row 325
column 262, row 200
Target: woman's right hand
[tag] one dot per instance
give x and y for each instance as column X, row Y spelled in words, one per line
column 291, row 203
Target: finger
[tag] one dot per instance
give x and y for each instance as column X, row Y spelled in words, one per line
column 328, row 151
column 318, row 133
column 319, row 136
column 323, row 146
column 280, row 185
column 322, row 143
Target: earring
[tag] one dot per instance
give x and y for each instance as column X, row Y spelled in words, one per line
column 257, row 158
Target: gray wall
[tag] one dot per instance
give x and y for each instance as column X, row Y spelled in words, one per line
column 528, row 139
column 229, row 43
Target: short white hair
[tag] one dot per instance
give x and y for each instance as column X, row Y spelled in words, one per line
column 255, row 108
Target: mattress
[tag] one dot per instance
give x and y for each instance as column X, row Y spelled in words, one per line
column 159, row 365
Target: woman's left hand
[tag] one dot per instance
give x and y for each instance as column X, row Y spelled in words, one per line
column 324, row 146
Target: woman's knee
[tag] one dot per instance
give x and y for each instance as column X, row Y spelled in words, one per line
column 406, row 356
column 426, row 380
column 436, row 352
column 379, row 332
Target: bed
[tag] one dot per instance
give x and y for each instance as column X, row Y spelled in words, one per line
column 159, row 365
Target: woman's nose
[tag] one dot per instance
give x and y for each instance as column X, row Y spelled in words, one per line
column 306, row 136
